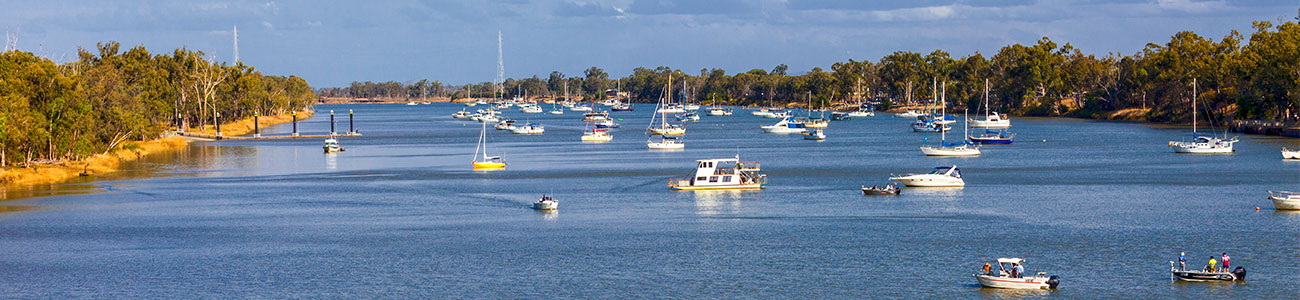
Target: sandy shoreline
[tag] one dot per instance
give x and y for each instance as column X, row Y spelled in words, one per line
column 109, row 162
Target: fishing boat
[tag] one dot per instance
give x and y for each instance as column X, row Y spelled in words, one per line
column 1290, row 154
column 1004, row 278
column 688, row 117
column 486, row 161
column 462, row 114
column 546, row 204
column 991, row 118
column 332, row 145
column 881, row 190
column 1207, row 275
column 1284, row 200
column 993, row 137
column 840, row 116
column 661, row 114
column 722, row 174
column 665, row 142
column 530, row 128
column 814, row 135
column 719, row 111
column 786, row 125
column 939, row 177
column 1202, row 144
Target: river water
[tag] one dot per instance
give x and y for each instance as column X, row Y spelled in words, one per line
column 1104, row 205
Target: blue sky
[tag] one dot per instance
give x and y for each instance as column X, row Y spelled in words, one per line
column 332, row 43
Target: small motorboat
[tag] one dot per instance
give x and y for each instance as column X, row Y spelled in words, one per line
column 881, row 190
column 580, row 108
column 412, row 103
column 1290, row 154
column 506, row 124
column 908, row 114
column 557, row 112
column 607, row 124
column 719, row 111
column 1284, row 200
column 332, row 145
column 1005, row 279
column 462, row 114
column 815, row 122
column 939, row 177
column 622, row 107
column 814, row 135
column 778, row 115
column 691, row 107
column 595, row 116
column 596, row 136
column 546, row 204
column 671, row 109
column 688, row 117
column 862, row 112
column 761, row 112
column 665, row 142
column 1204, row 275
column 840, row 116
column 530, row 128
column 530, row 109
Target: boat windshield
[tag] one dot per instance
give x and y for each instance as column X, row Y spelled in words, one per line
column 944, row 170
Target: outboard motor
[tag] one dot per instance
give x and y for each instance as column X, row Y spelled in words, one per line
column 1053, row 281
column 1240, row 273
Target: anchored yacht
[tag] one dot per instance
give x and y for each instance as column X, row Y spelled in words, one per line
column 722, row 174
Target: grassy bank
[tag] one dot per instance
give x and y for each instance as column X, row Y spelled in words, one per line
column 108, row 162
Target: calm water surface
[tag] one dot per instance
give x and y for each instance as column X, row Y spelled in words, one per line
column 1104, row 205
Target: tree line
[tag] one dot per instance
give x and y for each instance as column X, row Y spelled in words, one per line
column 1238, row 76
column 51, row 111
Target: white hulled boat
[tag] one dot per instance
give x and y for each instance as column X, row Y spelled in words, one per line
column 1284, row 200
column 332, row 145
column 991, row 118
column 965, row 148
column 1004, row 279
column 1202, row 144
column 719, row 111
column 722, row 174
column 661, row 114
column 786, row 125
column 940, row 177
column 546, row 204
column 665, row 142
column 530, row 128
column 1290, row 154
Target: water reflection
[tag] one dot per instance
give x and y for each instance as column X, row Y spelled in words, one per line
column 936, row 193
column 992, row 293
column 332, row 161
column 549, row 215
column 718, row 202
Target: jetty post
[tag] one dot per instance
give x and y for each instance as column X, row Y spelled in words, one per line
column 295, row 122
column 218, row 126
column 257, row 131
column 351, row 130
column 331, row 122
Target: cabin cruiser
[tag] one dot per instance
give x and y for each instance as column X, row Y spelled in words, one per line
column 939, row 177
column 671, row 109
column 691, row 107
column 530, row 109
column 722, row 174
column 332, row 145
column 908, row 114
column 815, row 123
column 1290, row 154
column 1238, row 274
column 778, row 115
column 1004, row 279
column 719, row 111
column 840, row 116
column 595, row 116
column 607, row 124
column 530, row 128
column 610, row 102
column 951, row 149
column 580, row 108
column 993, row 120
column 761, row 112
column 622, row 107
column 546, row 203
column 462, row 114
column 506, row 124
column 412, row 103
column 1284, row 200
column 669, row 129
column 787, row 125
column 862, row 112
column 815, row 135
column 1203, row 145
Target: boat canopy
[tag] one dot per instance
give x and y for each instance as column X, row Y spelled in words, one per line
column 1011, row 260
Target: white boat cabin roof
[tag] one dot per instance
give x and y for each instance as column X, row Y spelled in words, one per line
column 1011, row 260
column 721, row 160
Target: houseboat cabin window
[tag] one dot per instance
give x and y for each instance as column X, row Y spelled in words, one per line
column 713, row 178
column 726, row 178
column 701, row 178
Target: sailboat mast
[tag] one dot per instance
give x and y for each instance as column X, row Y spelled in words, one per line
column 986, row 99
column 943, row 134
column 1193, row 106
column 481, row 134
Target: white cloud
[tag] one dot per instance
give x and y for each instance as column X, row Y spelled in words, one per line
column 1191, row 6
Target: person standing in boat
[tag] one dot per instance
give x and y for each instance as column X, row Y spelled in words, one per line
column 1017, row 270
column 1210, row 267
column 1182, row 261
column 1225, row 262
column 988, row 270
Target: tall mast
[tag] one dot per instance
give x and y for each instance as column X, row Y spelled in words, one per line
column 943, row 134
column 986, row 99
column 1194, row 107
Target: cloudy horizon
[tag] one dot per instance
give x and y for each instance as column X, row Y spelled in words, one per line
column 333, row 43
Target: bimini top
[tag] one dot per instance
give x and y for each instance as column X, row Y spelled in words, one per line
column 733, row 159
column 1011, row 260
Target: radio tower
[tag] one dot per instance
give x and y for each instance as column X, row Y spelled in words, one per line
column 236, row 31
column 501, row 67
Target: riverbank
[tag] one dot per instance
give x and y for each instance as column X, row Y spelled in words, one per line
column 110, row 161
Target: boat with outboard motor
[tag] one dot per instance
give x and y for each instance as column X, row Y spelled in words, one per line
column 546, row 204
column 1012, row 279
column 881, row 190
column 939, row 177
column 840, row 116
column 993, row 137
column 719, row 111
column 1206, row 275
column 814, row 135
column 530, row 128
column 332, row 145
column 722, row 174
column 1284, row 200
column 1290, row 154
